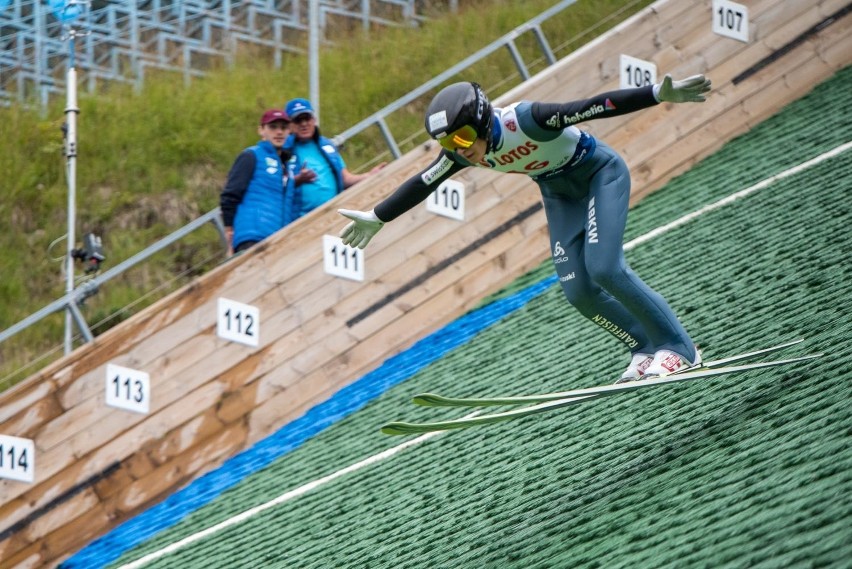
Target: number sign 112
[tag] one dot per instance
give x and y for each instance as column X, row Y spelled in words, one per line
column 238, row 322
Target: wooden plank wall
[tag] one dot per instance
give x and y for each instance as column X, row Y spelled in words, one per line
column 96, row 466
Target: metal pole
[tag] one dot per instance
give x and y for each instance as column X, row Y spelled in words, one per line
column 71, row 112
column 70, row 12
column 313, row 55
column 365, row 15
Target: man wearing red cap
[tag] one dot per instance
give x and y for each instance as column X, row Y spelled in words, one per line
column 252, row 201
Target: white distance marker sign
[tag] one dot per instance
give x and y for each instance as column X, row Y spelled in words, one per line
column 238, row 322
column 730, row 20
column 636, row 72
column 17, row 458
column 127, row 388
column 342, row 260
column 447, row 200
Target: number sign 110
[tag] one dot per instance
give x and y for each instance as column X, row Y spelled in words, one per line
column 447, row 200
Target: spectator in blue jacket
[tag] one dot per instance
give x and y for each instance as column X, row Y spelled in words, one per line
column 252, row 201
column 321, row 172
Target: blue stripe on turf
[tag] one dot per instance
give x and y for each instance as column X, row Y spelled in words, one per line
column 351, row 398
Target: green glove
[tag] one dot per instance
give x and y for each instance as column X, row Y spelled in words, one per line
column 690, row 90
column 363, row 227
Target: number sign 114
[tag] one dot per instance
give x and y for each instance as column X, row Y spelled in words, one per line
column 17, row 458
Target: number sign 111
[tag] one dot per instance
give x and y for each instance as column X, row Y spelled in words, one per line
column 342, row 260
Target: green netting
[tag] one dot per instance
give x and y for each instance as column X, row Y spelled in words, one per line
column 746, row 471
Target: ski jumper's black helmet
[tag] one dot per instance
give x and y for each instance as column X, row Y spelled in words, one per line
column 458, row 105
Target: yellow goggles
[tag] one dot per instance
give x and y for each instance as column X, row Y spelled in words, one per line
column 461, row 138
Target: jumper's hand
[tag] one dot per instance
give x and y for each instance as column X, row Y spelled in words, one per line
column 690, row 90
column 361, row 229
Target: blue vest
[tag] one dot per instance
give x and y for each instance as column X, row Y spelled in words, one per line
column 261, row 213
column 293, row 200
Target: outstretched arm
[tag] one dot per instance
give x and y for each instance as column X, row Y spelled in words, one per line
column 557, row 116
column 365, row 224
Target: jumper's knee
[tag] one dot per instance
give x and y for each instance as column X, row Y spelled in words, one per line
column 582, row 296
column 612, row 277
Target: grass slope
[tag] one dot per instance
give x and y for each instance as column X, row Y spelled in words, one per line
column 746, row 471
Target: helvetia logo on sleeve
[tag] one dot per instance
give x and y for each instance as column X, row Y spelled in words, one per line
column 585, row 115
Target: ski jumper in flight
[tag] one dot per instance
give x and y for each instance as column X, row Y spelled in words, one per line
column 585, row 187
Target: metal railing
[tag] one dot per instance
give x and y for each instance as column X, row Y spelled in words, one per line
column 72, row 300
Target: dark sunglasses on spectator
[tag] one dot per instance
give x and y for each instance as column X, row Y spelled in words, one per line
column 303, row 118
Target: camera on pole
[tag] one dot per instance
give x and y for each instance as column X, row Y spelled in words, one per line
column 91, row 253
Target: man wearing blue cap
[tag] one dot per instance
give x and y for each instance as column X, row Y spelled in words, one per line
column 321, row 172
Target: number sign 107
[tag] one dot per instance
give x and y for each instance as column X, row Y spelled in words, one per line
column 730, row 20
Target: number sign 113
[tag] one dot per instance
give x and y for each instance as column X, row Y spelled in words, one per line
column 128, row 388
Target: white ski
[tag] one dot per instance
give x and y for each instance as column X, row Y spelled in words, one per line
column 433, row 400
column 550, row 401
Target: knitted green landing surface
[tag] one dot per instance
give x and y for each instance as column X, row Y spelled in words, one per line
column 746, row 471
